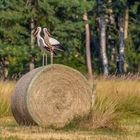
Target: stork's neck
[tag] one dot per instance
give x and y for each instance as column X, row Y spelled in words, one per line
column 38, row 34
column 46, row 36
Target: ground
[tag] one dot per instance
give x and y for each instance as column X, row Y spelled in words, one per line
column 10, row 130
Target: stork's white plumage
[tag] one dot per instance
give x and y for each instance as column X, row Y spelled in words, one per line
column 52, row 43
column 41, row 43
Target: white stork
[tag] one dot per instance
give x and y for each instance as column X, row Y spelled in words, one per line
column 41, row 43
column 52, row 43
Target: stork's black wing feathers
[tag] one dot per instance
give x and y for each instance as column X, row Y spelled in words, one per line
column 48, row 49
column 44, row 45
column 58, row 47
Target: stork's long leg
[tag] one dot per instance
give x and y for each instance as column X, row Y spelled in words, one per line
column 43, row 59
column 46, row 59
column 51, row 57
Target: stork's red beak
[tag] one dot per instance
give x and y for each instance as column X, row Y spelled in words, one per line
column 48, row 32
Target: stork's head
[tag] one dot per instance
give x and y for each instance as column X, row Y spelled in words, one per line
column 45, row 30
column 39, row 29
column 36, row 30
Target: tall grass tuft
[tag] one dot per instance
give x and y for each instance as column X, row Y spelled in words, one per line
column 104, row 113
column 6, row 88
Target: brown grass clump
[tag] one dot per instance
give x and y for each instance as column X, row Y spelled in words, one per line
column 104, row 114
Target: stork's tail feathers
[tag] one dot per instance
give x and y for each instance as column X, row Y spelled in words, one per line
column 59, row 48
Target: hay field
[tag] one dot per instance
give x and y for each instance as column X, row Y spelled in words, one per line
column 115, row 115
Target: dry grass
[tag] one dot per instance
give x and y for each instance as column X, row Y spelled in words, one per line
column 116, row 106
column 104, row 113
column 6, row 89
column 118, row 87
column 125, row 91
column 116, row 99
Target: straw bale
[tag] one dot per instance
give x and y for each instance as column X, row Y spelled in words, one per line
column 51, row 96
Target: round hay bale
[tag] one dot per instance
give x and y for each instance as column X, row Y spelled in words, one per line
column 51, row 96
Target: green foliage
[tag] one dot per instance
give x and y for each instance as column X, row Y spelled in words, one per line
column 133, row 43
column 62, row 18
column 64, row 21
column 132, row 47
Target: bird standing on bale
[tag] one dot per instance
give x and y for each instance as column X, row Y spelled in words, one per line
column 52, row 43
column 41, row 44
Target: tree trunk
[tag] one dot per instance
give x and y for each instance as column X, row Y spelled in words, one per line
column 103, row 44
column 32, row 24
column 111, row 41
column 88, row 54
column 121, row 48
column 102, row 32
column 32, row 62
column 111, row 15
column 126, row 16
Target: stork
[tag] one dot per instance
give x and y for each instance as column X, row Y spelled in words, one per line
column 41, row 43
column 52, row 43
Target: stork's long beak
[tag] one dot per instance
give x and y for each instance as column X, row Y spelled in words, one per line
column 34, row 31
column 48, row 32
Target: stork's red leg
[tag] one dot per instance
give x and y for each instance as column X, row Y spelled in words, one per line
column 46, row 59
column 43, row 59
column 51, row 57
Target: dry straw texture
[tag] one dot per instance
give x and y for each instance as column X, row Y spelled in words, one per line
column 51, row 96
